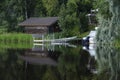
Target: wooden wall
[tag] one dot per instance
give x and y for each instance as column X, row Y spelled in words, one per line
column 36, row 30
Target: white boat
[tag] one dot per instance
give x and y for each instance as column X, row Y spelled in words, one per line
column 90, row 38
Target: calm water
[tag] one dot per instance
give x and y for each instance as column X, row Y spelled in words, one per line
column 61, row 62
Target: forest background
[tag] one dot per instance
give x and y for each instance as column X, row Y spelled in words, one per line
column 71, row 13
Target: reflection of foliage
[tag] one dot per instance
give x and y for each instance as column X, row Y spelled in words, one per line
column 108, row 62
column 11, row 68
column 35, row 72
column 73, row 64
column 51, row 74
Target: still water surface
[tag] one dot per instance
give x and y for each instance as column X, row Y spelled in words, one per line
column 61, row 62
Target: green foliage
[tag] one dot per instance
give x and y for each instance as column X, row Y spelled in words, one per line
column 50, row 74
column 40, row 9
column 109, row 28
column 71, row 13
column 52, row 7
column 103, row 7
column 12, row 13
column 68, row 20
column 14, row 45
column 83, row 8
column 73, row 20
column 3, row 30
column 84, row 27
column 83, row 34
column 116, row 43
column 15, row 38
column 62, row 2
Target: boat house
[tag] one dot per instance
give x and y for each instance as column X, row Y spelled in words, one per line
column 40, row 26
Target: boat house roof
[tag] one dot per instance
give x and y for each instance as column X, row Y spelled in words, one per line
column 44, row 21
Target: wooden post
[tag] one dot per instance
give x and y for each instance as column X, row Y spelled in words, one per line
column 43, row 42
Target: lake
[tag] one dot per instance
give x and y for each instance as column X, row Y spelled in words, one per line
column 60, row 62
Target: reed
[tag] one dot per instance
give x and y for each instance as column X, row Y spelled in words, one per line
column 15, row 37
column 16, row 45
column 16, row 40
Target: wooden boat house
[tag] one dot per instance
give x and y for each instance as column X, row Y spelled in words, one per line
column 40, row 26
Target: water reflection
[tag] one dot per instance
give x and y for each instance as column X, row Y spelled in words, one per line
column 65, row 63
column 108, row 58
column 73, row 66
column 38, row 56
column 91, row 48
column 11, row 68
column 43, row 63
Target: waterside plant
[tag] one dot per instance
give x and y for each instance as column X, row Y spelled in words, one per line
column 16, row 40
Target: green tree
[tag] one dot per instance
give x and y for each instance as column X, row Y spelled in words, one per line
column 62, row 2
column 68, row 19
column 39, row 10
column 83, row 8
column 13, row 13
column 103, row 7
column 30, row 7
column 52, row 7
column 73, row 16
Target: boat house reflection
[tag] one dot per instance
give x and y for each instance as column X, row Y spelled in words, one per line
column 37, row 55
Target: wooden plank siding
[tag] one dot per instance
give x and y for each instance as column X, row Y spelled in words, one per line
column 36, row 30
column 40, row 25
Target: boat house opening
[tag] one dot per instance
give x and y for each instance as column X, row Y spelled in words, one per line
column 40, row 26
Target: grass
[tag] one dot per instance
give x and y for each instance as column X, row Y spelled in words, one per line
column 117, row 43
column 15, row 38
column 16, row 45
column 83, row 34
column 18, row 40
column 61, row 35
column 54, row 35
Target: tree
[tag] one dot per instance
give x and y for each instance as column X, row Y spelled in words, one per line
column 39, row 10
column 52, row 7
column 74, row 14
column 15, row 11
column 105, row 12
column 62, row 2
column 110, row 27
column 13, row 14
column 83, row 8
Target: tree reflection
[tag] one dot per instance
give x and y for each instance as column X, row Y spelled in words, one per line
column 108, row 58
column 73, row 64
column 11, row 68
